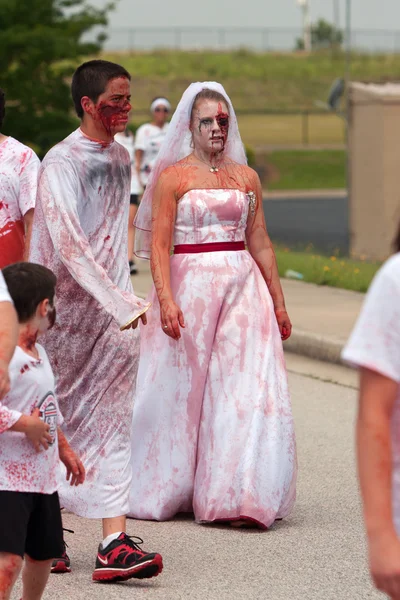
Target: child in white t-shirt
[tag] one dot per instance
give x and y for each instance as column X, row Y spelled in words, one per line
column 31, row 443
column 374, row 347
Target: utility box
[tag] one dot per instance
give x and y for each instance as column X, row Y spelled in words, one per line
column 374, row 177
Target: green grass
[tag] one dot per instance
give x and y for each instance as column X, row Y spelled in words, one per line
column 333, row 271
column 305, row 170
column 254, row 80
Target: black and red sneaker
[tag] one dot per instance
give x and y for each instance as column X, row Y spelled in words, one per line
column 123, row 559
column 63, row 563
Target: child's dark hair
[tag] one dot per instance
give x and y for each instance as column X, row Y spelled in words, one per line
column 29, row 284
column 91, row 79
column 2, row 107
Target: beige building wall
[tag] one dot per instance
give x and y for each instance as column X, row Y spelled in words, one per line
column 374, row 146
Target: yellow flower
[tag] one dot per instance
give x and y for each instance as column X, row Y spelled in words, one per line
column 342, row 264
column 326, row 268
column 333, row 258
column 356, row 271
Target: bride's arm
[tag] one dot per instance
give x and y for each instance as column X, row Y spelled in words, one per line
column 261, row 249
column 163, row 221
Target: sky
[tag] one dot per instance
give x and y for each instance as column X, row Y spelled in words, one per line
column 366, row 14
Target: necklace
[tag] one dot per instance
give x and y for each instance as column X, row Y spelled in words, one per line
column 211, row 168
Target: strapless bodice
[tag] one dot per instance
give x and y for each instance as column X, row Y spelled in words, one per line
column 211, row 215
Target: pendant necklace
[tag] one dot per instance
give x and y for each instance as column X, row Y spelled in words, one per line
column 211, row 168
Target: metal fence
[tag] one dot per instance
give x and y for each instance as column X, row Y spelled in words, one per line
column 129, row 39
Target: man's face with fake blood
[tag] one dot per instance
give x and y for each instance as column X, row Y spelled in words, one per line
column 210, row 126
column 112, row 108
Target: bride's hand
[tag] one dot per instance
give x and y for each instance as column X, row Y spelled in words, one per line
column 171, row 318
column 284, row 324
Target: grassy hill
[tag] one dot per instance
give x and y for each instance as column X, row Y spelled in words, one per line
column 255, row 81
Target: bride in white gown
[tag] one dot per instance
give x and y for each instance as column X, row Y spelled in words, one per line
column 212, row 427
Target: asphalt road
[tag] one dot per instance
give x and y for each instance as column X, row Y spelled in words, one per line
column 317, row 553
column 299, row 221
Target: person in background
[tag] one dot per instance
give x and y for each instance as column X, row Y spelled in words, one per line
column 127, row 140
column 374, row 347
column 149, row 138
column 8, row 335
column 19, row 167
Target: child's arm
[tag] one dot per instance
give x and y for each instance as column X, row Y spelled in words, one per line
column 75, row 468
column 36, row 430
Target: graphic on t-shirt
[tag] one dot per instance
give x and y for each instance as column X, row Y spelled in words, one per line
column 48, row 413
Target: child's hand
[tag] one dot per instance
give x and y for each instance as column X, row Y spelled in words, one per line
column 75, row 468
column 36, row 430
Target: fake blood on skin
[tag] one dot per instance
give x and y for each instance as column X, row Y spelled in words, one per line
column 222, row 119
column 109, row 115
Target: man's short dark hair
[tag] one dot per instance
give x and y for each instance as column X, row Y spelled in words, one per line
column 91, row 79
column 2, row 107
column 29, row 284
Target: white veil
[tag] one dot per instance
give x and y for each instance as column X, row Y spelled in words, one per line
column 176, row 145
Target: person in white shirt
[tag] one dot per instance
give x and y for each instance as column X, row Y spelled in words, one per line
column 374, row 347
column 149, row 138
column 8, row 335
column 127, row 140
column 19, row 167
column 31, row 443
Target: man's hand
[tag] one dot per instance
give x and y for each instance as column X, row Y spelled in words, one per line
column 135, row 323
column 384, row 563
column 4, row 379
column 284, row 324
column 75, row 469
column 36, row 430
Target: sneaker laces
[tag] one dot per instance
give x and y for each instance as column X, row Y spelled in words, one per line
column 64, row 542
column 136, row 545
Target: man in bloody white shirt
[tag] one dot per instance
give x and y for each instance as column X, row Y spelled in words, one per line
column 80, row 232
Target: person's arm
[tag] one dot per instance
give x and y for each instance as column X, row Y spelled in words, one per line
column 8, row 341
column 138, row 163
column 58, row 194
column 74, row 466
column 261, row 249
column 36, row 430
column 28, row 180
column 374, row 456
column 28, row 222
column 163, row 221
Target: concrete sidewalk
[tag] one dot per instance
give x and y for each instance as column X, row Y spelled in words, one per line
column 322, row 317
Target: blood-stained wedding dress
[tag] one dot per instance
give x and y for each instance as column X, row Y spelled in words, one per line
column 212, row 431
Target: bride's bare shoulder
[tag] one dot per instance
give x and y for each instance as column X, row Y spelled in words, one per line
column 176, row 169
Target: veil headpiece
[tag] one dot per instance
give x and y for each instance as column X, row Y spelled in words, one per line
column 176, row 145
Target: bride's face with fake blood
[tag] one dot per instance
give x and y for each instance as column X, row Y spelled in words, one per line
column 112, row 108
column 210, row 126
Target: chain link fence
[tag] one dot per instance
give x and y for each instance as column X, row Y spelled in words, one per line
column 273, row 39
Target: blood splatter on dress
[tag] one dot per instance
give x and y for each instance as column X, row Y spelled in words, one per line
column 80, row 233
column 212, row 416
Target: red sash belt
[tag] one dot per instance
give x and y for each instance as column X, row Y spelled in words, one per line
column 213, row 247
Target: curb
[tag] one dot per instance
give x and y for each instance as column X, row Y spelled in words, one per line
column 315, row 346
